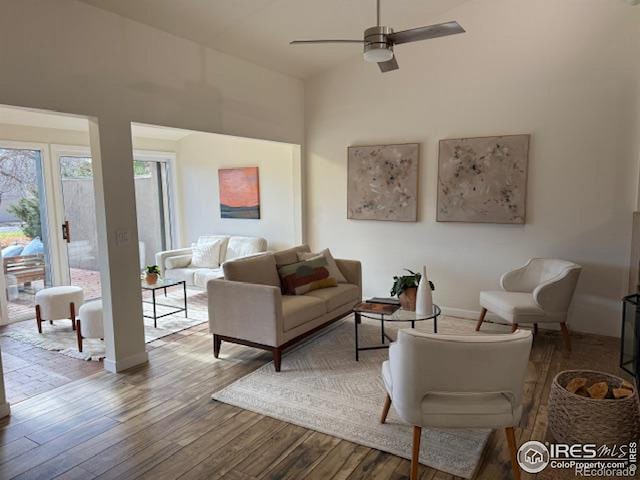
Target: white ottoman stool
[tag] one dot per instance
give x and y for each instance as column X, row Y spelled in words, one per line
column 89, row 325
column 58, row 303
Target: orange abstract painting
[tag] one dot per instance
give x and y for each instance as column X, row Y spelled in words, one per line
column 239, row 192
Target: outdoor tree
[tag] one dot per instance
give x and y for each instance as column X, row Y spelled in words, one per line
column 27, row 209
column 17, row 171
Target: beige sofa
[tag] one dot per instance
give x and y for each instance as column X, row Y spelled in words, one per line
column 176, row 264
column 248, row 308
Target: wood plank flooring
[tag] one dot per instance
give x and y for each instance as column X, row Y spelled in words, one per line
column 158, row 422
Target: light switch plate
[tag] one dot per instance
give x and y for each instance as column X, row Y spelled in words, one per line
column 122, row 237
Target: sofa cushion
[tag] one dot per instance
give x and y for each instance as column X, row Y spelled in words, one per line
column 300, row 309
column 203, row 275
column 289, row 256
column 185, row 274
column 214, row 238
column 244, row 246
column 178, row 261
column 259, row 269
column 302, row 277
column 337, row 296
column 332, row 266
column 206, row 255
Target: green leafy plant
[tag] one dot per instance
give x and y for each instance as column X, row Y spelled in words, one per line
column 27, row 209
column 151, row 269
column 404, row 282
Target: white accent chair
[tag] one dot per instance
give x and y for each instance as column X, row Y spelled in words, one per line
column 58, row 303
column 90, row 325
column 480, row 387
column 176, row 264
column 538, row 292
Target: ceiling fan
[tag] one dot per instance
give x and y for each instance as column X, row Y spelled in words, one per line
column 379, row 40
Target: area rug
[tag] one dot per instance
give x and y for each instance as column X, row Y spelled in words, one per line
column 323, row 388
column 60, row 337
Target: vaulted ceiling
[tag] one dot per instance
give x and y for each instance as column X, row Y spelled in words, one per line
column 260, row 30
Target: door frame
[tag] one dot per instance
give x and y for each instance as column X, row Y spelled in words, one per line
column 52, row 239
column 59, row 150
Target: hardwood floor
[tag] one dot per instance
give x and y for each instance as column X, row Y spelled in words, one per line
column 158, row 422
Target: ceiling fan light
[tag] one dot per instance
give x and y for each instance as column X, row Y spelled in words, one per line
column 377, row 55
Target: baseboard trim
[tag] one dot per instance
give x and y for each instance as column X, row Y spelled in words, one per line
column 5, row 410
column 117, row 366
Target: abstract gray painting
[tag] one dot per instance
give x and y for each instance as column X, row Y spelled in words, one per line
column 483, row 179
column 383, row 182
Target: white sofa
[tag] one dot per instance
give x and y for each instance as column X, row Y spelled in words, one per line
column 176, row 264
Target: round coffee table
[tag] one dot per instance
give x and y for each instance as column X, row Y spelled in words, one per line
column 399, row 315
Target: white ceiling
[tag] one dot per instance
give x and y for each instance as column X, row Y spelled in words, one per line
column 260, row 30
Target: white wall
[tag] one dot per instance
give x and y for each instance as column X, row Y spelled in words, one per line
column 24, row 133
column 562, row 71
column 67, row 56
column 200, row 155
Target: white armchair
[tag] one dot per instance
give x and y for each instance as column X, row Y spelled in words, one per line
column 481, row 386
column 538, row 292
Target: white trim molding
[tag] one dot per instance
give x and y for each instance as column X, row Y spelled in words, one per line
column 117, row 366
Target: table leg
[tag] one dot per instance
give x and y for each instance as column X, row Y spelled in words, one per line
column 435, row 324
column 413, row 324
column 153, row 297
column 382, row 329
column 184, row 286
column 357, row 321
column 165, row 291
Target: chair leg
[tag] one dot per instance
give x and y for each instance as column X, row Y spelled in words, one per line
column 415, row 454
column 79, row 335
column 481, row 319
column 385, row 409
column 72, row 311
column 535, row 329
column 514, row 327
column 217, row 343
column 513, row 451
column 38, row 319
column 566, row 336
column 277, row 358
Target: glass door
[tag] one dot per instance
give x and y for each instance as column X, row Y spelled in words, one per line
column 78, row 228
column 24, row 232
column 152, row 207
column 73, row 181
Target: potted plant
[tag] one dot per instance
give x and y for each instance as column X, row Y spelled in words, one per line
column 151, row 274
column 405, row 288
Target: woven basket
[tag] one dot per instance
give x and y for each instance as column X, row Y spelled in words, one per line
column 576, row 419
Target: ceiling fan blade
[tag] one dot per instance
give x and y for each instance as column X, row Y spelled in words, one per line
column 426, row 33
column 389, row 65
column 297, row 42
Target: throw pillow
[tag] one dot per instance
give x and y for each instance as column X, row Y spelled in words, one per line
column 34, row 247
column 12, row 251
column 179, row 261
column 302, row 277
column 332, row 266
column 206, row 255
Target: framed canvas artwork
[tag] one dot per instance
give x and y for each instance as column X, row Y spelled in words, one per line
column 239, row 192
column 483, row 180
column 382, row 182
